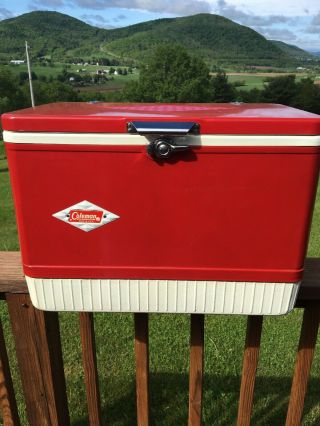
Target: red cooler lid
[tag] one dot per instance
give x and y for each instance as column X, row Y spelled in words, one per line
column 232, row 118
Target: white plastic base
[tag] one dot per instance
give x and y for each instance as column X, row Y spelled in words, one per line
column 210, row 297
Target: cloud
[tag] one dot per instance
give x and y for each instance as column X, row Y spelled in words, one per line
column 316, row 20
column 282, row 34
column 5, row 13
column 96, row 18
column 313, row 29
column 97, row 21
column 119, row 18
column 178, row 7
column 232, row 12
column 47, row 3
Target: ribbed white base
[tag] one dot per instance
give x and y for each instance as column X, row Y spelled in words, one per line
column 210, row 297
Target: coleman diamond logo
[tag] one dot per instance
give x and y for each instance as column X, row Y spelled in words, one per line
column 85, row 216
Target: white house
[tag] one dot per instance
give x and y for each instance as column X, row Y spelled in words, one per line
column 16, row 61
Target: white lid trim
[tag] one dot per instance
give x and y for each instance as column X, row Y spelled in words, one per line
column 44, row 138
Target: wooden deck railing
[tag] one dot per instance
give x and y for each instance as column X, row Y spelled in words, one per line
column 38, row 348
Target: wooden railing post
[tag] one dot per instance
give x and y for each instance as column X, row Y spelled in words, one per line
column 38, row 347
column 249, row 369
column 7, row 397
column 307, row 342
column 90, row 367
column 142, row 367
column 196, row 369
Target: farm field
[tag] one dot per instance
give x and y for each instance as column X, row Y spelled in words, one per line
column 169, row 357
column 117, row 82
column 253, row 81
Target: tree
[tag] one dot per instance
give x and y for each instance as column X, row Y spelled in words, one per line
column 11, row 95
column 307, row 96
column 223, row 91
column 51, row 92
column 24, row 76
column 171, row 75
column 280, row 90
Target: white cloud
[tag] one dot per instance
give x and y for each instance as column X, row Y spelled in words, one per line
column 232, row 12
column 282, row 34
column 97, row 21
column 5, row 13
column 178, row 7
column 97, row 18
column 316, row 20
column 276, row 7
column 313, row 29
column 47, row 3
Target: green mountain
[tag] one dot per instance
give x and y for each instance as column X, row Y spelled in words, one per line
column 48, row 33
column 215, row 38
column 211, row 36
column 293, row 51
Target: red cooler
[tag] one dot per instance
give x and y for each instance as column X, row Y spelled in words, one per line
column 190, row 208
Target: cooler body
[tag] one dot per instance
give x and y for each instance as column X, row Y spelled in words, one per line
column 220, row 227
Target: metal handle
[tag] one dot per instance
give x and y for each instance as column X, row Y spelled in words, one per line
column 179, row 128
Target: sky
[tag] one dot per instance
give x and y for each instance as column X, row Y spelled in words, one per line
column 290, row 21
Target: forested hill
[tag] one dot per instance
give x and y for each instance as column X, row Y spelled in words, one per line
column 213, row 37
column 292, row 50
column 49, row 33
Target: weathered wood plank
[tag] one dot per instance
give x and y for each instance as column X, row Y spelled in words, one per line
column 141, row 343
column 249, row 369
column 196, row 369
column 90, row 367
column 307, row 342
column 8, row 402
column 11, row 275
column 38, row 347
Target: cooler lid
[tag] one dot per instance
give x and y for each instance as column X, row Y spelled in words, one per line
column 229, row 119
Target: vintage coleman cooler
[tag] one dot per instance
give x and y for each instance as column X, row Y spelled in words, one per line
column 191, row 208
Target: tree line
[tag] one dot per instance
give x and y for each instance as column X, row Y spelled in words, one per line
column 171, row 75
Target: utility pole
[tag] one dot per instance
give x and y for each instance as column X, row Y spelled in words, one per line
column 30, row 75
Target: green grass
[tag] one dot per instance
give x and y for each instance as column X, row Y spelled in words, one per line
column 169, row 357
column 254, row 81
column 58, row 67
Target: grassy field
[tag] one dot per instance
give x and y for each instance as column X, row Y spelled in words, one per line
column 116, row 83
column 253, row 81
column 169, row 337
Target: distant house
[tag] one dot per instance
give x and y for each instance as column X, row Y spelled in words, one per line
column 116, row 72
column 17, row 61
